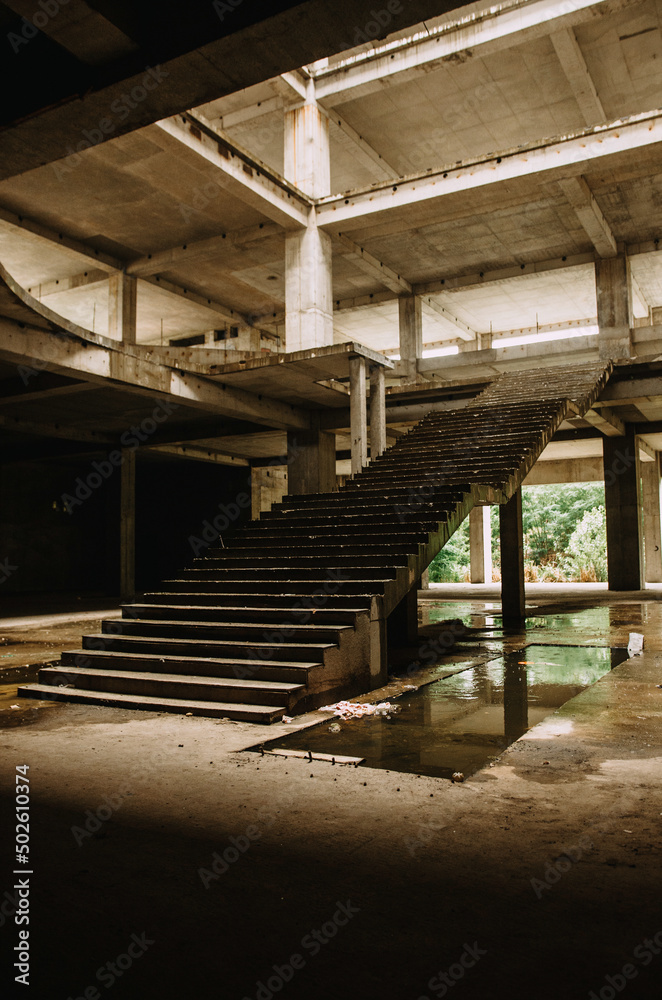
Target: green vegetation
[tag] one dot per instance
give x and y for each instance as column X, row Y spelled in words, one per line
column 564, row 537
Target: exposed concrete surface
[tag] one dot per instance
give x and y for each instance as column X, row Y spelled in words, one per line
column 545, row 865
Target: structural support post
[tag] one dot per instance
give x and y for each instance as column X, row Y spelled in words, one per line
column 614, row 299
column 512, row 559
column 377, row 412
column 624, row 550
column 411, row 334
column 128, row 525
column 122, row 307
column 650, row 488
column 308, row 291
column 402, row 623
column 480, row 545
column 311, row 460
column 268, row 486
column 357, row 413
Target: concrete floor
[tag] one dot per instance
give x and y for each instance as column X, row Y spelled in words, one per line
column 537, row 879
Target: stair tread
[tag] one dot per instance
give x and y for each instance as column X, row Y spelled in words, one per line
column 222, row 661
column 261, row 713
column 233, row 682
column 238, row 625
column 251, row 643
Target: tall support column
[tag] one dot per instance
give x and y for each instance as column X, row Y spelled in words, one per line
column 480, row 545
column 624, row 549
column 308, row 291
column 128, row 524
column 411, row 334
column 122, row 307
column 268, row 486
column 650, row 487
column 377, row 412
column 357, row 414
column 512, row 559
column 614, row 299
column 311, row 460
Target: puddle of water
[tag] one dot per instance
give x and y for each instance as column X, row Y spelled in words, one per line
column 463, row 722
column 27, row 710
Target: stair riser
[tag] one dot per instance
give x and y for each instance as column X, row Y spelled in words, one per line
column 268, row 618
column 147, row 686
column 196, row 667
column 345, row 573
column 315, row 589
column 250, row 601
column 249, row 633
column 166, row 647
column 300, row 562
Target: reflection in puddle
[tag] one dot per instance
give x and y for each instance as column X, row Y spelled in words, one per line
column 462, row 722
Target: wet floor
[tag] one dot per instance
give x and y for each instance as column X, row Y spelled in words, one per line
column 464, row 722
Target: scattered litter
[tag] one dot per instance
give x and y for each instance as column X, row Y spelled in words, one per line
column 309, row 756
column 410, row 687
column 335, row 728
column 287, row 718
column 457, row 776
column 189, row 714
column 14, row 706
column 636, row 643
column 354, row 710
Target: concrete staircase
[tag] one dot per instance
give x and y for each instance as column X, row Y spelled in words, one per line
column 293, row 614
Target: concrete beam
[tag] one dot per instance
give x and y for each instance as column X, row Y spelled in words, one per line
column 207, row 249
column 92, row 277
column 242, row 175
column 100, row 360
column 464, row 332
column 535, row 160
column 478, row 34
column 583, row 89
column 197, row 299
column 589, row 214
column 375, row 268
column 567, row 470
column 251, row 112
column 364, row 153
column 198, row 454
column 606, row 421
column 60, row 239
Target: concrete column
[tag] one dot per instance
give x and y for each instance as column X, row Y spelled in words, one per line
column 122, row 304
column 425, row 579
column 268, row 486
column 650, row 495
column 357, row 414
column 411, row 334
column 308, row 291
column 128, row 524
column 614, row 299
column 311, row 460
column 402, row 623
column 624, row 549
column 512, row 559
column 480, row 545
column 377, row 412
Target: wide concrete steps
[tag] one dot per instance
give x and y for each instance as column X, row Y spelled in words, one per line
column 286, row 617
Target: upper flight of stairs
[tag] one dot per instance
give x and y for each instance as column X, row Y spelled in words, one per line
column 291, row 615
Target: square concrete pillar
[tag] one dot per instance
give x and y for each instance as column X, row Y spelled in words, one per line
column 357, row 413
column 411, row 334
column 614, row 300
column 128, row 524
column 377, row 412
column 512, row 559
column 480, row 545
column 268, row 486
column 622, row 503
column 311, row 460
column 308, row 291
column 122, row 307
column 650, row 496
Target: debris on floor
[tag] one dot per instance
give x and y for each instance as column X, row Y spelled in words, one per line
column 355, row 710
column 636, row 644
